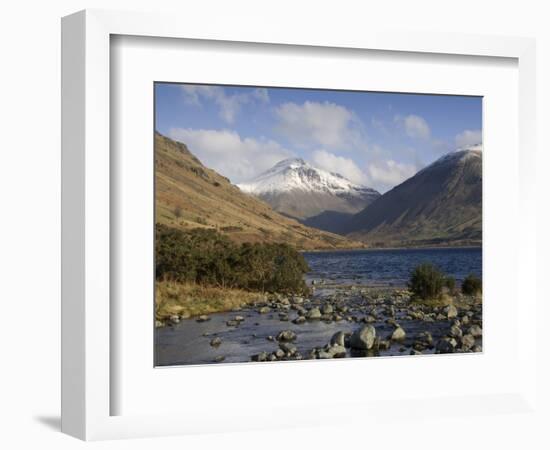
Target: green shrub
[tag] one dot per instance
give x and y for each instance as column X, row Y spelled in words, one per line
column 208, row 258
column 426, row 282
column 471, row 285
column 450, row 284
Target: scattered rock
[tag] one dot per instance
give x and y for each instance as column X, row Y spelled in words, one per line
column 159, row 324
column 468, row 341
column 239, row 319
column 288, row 348
column 286, row 336
column 264, row 310
column 444, row 346
column 338, row 351
column 174, row 318
column 327, row 309
column 475, row 331
column 283, row 317
column 219, row 358
column 260, row 357
column 363, row 339
column 398, row 334
column 455, row 331
column 216, row 342
column 299, row 320
column 232, row 323
column 314, row 314
column 339, row 338
column 203, row 318
column 450, row 311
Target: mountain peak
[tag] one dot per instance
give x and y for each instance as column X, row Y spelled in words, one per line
column 298, row 189
column 296, row 174
column 290, row 163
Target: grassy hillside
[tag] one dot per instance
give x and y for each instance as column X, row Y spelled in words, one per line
column 190, row 195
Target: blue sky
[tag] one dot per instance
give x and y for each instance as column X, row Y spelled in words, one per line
column 375, row 139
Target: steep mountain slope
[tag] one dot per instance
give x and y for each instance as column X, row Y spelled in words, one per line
column 440, row 205
column 189, row 195
column 332, row 221
column 297, row 189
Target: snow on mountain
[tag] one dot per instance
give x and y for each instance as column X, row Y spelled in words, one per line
column 296, row 174
column 295, row 188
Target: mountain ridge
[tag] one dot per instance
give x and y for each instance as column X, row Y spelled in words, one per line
column 439, row 205
column 190, row 195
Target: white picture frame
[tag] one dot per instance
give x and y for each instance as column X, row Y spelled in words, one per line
column 87, row 328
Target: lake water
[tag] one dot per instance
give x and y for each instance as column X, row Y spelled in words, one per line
column 390, row 267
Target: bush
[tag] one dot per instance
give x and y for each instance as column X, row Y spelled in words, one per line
column 208, row 258
column 471, row 285
column 426, row 282
column 450, row 284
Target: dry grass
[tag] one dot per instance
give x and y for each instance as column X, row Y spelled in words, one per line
column 458, row 300
column 188, row 300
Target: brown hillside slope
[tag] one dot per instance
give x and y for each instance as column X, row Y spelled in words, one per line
column 189, row 195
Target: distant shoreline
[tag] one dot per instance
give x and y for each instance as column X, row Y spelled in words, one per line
column 438, row 247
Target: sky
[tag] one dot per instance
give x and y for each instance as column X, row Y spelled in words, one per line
column 374, row 139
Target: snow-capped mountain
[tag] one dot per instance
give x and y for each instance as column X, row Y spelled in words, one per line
column 459, row 156
column 441, row 204
column 295, row 188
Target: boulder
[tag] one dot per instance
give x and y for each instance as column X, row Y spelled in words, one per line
column 475, row 331
column 288, row 348
column 174, row 318
column 216, row 342
column 468, row 341
column 314, row 314
column 425, row 337
column 327, row 309
column 398, row 334
column 455, row 331
column 260, row 357
column 337, row 351
column 338, row 338
column 450, row 311
column 299, row 320
column 363, row 339
column 286, row 336
column 444, row 346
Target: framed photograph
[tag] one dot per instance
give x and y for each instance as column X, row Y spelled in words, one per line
column 278, row 213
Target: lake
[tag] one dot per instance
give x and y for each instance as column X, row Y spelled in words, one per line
column 389, row 267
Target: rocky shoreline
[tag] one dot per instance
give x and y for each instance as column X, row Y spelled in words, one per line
column 335, row 322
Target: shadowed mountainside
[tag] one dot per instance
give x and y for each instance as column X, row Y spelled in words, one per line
column 440, row 205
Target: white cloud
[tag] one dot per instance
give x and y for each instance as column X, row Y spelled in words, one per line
column 312, row 123
column 344, row 166
column 225, row 151
column 229, row 105
column 385, row 174
column 415, row 126
column 468, row 138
